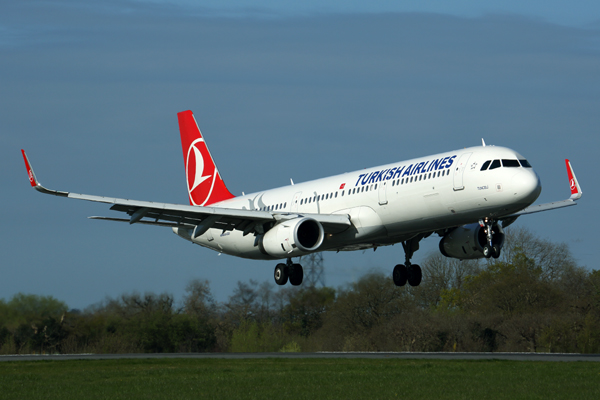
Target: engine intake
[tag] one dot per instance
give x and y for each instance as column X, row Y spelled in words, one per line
column 466, row 242
column 292, row 238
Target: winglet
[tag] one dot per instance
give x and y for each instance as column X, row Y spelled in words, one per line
column 32, row 179
column 35, row 183
column 574, row 184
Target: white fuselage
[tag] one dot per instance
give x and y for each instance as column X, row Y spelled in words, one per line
column 392, row 203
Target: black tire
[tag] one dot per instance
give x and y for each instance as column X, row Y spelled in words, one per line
column 487, row 251
column 495, row 251
column 414, row 275
column 400, row 275
column 280, row 274
column 296, row 275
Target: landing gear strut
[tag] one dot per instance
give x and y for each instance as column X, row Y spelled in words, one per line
column 490, row 228
column 408, row 272
column 289, row 270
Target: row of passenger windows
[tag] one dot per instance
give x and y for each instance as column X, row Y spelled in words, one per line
column 420, row 177
column 505, row 163
column 274, row 207
column 365, row 188
column 321, row 197
column 334, row 195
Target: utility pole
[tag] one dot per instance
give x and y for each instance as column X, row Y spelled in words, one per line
column 314, row 272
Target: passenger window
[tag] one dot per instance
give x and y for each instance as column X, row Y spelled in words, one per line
column 510, row 163
column 485, row 165
column 525, row 163
column 375, row 186
column 495, row 164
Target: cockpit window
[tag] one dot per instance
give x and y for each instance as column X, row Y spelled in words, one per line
column 511, row 163
column 485, row 165
column 495, row 164
column 525, row 163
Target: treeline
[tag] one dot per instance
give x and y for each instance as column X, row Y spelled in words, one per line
column 532, row 299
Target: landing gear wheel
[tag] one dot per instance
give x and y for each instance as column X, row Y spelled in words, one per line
column 296, row 274
column 414, row 275
column 400, row 275
column 496, row 251
column 281, row 276
column 487, row 251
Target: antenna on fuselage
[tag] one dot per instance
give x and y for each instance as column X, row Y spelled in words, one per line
column 482, row 142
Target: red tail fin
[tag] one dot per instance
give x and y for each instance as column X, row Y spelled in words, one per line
column 575, row 188
column 204, row 182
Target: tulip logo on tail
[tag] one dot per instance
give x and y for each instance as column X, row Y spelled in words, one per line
column 200, row 175
column 204, row 183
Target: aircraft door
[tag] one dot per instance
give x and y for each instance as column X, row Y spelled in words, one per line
column 295, row 202
column 459, row 169
column 383, row 193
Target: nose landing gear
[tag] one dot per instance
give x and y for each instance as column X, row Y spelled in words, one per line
column 491, row 248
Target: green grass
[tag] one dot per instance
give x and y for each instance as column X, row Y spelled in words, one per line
column 298, row 379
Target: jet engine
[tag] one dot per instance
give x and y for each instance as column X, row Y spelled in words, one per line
column 468, row 241
column 292, row 238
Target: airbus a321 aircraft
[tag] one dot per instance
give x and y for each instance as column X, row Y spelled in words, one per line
column 465, row 196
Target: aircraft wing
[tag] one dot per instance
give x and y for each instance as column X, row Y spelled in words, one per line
column 198, row 217
column 571, row 201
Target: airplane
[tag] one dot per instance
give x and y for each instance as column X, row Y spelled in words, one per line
column 467, row 197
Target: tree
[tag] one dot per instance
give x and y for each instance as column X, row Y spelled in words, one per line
column 303, row 314
column 199, row 300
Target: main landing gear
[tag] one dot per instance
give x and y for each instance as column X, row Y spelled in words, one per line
column 408, row 272
column 491, row 248
column 289, row 270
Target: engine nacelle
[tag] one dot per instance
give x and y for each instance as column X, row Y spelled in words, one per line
column 467, row 241
column 292, row 238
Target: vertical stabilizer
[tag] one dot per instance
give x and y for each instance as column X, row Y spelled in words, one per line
column 204, row 182
column 573, row 183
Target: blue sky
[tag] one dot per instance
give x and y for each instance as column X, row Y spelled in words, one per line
column 280, row 91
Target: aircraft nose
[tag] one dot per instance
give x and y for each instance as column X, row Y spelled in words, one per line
column 526, row 185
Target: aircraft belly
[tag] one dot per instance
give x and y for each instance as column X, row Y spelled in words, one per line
column 229, row 242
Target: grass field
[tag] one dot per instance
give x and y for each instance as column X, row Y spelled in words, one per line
column 298, row 379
